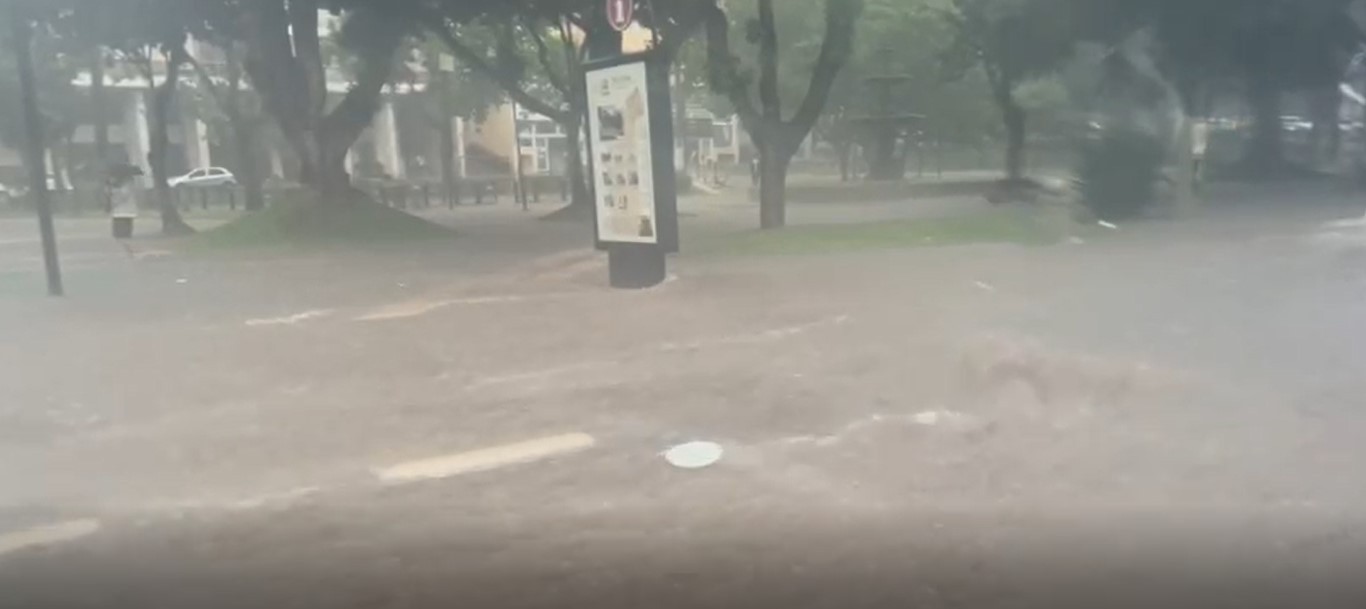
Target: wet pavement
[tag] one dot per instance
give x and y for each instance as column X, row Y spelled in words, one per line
column 1166, row 413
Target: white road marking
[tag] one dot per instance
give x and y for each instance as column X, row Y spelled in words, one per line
column 570, row 271
column 139, row 254
column 47, row 535
column 536, row 375
column 553, row 261
column 486, row 458
column 274, row 499
column 227, row 503
column 417, row 308
column 929, row 418
column 291, row 319
column 1348, row 223
column 536, row 379
column 402, row 310
column 771, row 335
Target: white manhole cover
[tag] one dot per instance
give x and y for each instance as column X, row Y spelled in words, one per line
column 694, row 455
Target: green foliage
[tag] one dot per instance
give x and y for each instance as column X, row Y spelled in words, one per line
column 812, row 43
column 524, row 54
column 444, row 87
column 1011, row 39
column 1119, row 172
column 1042, row 94
column 302, row 223
column 800, row 25
column 1293, row 43
column 908, row 38
column 61, row 105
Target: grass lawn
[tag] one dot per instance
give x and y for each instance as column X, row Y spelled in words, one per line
column 308, row 226
column 999, row 226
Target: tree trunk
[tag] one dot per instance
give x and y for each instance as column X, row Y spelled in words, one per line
column 579, row 171
column 163, row 95
column 244, row 128
column 680, row 110
column 56, row 164
column 1186, row 176
column 1326, row 135
column 245, row 125
column 248, row 169
column 886, row 163
column 21, row 37
column 579, row 192
column 1265, row 150
column 443, row 122
column 330, row 178
column 286, row 67
column 844, row 150
column 1335, row 140
column 446, row 141
column 1015, row 118
column 777, row 140
column 773, row 165
column 98, row 100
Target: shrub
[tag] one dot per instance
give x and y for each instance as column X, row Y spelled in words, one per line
column 1119, row 172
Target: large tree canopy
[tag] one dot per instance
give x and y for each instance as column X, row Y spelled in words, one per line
column 55, row 68
column 1011, row 41
column 285, row 62
column 758, row 102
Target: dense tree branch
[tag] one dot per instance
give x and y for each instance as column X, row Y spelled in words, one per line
column 679, row 32
column 573, row 61
column 350, row 117
column 142, row 58
column 543, row 55
column 303, row 22
column 722, row 67
column 840, row 16
column 769, row 102
column 481, row 65
column 573, row 55
column 274, row 69
column 207, row 81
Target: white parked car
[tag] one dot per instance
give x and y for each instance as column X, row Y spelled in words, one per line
column 54, row 184
column 1296, row 124
column 9, row 193
column 206, row 176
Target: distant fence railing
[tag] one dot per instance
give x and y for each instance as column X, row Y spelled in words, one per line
column 474, row 190
column 393, row 193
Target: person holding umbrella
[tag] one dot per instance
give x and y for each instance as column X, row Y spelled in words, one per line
column 123, row 202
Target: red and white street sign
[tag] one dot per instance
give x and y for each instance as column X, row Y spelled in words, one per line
column 620, row 14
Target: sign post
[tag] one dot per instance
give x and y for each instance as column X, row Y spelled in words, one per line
column 21, row 36
column 631, row 159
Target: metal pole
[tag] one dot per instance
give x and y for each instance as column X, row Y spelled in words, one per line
column 939, row 156
column 22, row 37
column 518, row 186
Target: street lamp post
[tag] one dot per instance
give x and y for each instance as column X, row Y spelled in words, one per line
column 519, row 187
column 21, row 36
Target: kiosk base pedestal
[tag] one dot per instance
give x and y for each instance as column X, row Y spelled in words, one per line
column 635, row 266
